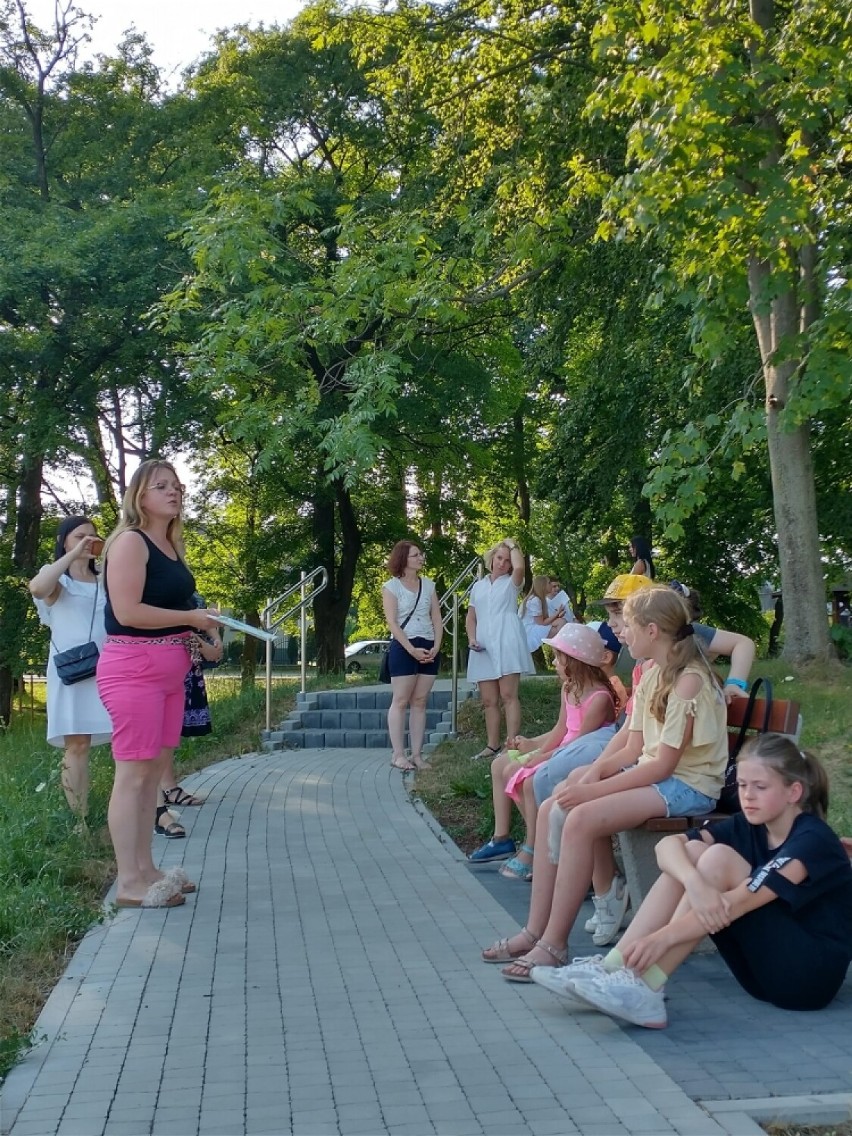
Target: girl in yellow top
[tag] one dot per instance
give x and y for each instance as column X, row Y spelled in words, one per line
column 672, row 764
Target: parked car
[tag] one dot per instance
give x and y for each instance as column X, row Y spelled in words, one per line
column 366, row 654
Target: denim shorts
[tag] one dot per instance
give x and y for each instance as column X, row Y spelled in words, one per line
column 681, row 799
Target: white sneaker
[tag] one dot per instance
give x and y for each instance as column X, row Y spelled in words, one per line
column 557, row 979
column 591, row 924
column 610, row 910
column 622, row 995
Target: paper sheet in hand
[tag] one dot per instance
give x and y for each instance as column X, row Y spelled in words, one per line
column 245, row 628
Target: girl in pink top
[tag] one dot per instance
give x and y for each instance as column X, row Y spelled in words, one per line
column 588, row 702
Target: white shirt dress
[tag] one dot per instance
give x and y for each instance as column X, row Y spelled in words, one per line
column 499, row 631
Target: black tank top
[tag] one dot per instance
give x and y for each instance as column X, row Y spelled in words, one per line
column 168, row 583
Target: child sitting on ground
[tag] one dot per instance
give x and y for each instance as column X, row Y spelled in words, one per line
column 771, row 885
column 589, row 702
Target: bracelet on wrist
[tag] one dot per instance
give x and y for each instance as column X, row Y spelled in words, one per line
column 740, row 683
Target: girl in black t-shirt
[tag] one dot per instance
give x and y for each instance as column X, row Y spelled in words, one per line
column 772, row 885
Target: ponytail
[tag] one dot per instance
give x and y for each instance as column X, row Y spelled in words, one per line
column 780, row 753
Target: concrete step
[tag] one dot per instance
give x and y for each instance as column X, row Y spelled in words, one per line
column 354, row 719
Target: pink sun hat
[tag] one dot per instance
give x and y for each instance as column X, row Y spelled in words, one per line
column 581, row 642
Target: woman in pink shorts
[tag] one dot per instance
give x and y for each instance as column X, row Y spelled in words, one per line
column 149, row 618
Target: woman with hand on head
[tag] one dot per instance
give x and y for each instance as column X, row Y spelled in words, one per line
column 150, row 617
column 414, row 618
column 70, row 601
column 499, row 654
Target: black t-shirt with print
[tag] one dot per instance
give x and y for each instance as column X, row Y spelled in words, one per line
column 822, row 903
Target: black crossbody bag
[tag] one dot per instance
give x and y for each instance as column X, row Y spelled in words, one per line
column 78, row 663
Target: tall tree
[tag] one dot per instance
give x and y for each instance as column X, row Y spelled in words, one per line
column 738, row 125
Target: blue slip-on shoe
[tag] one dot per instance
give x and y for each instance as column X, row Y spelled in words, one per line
column 493, row 850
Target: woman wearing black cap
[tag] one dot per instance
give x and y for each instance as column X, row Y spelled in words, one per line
column 70, row 601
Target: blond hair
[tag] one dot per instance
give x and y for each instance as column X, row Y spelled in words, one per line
column 488, row 557
column 134, row 517
column 668, row 611
column 539, row 590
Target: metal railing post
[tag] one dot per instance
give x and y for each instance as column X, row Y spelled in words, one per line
column 268, row 685
column 455, row 690
column 270, row 619
column 303, row 631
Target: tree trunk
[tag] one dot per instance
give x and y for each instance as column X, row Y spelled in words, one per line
column 777, row 320
column 331, row 606
column 22, row 564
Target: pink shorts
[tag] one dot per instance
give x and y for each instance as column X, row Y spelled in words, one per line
column 141, row 685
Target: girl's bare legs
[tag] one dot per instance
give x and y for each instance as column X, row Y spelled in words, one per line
column 605, row 866
column 584, row 825
column 508, row 686
column 489, row 695
column 501, row 770
column 543, row 880
column 529, row 811
column 720, row 865
column 417, row 716
column 403, row 688
column 75, row 773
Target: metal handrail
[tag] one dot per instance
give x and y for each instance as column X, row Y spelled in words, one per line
column 452, row 598
column 270, row 621
column 446, row 601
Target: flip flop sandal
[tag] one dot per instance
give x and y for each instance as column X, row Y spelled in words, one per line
column 519, row 971
column 403, row 764
column 500, row 952
column 171, row 830
column 179, row 797
column 488, row 751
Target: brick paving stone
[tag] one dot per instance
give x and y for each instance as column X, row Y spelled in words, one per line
column 328, row 970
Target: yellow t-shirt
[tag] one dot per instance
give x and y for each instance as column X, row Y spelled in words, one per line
column 702, row 763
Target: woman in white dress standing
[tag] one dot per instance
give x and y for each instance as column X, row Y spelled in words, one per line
column 499, row 654
column 414, row 618
column 70, row 600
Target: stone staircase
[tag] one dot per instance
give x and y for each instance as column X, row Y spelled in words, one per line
column 356, row 719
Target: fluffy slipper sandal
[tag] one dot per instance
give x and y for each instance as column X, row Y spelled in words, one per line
column 519, row 970
column 182, row 880
column 500, row 952
column 160, row 894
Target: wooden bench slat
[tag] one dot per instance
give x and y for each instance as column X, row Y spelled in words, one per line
column 783, row 715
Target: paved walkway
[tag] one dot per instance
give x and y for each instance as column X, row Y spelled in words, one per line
column 326, row 979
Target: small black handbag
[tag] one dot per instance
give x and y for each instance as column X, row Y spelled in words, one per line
column 78, row 663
